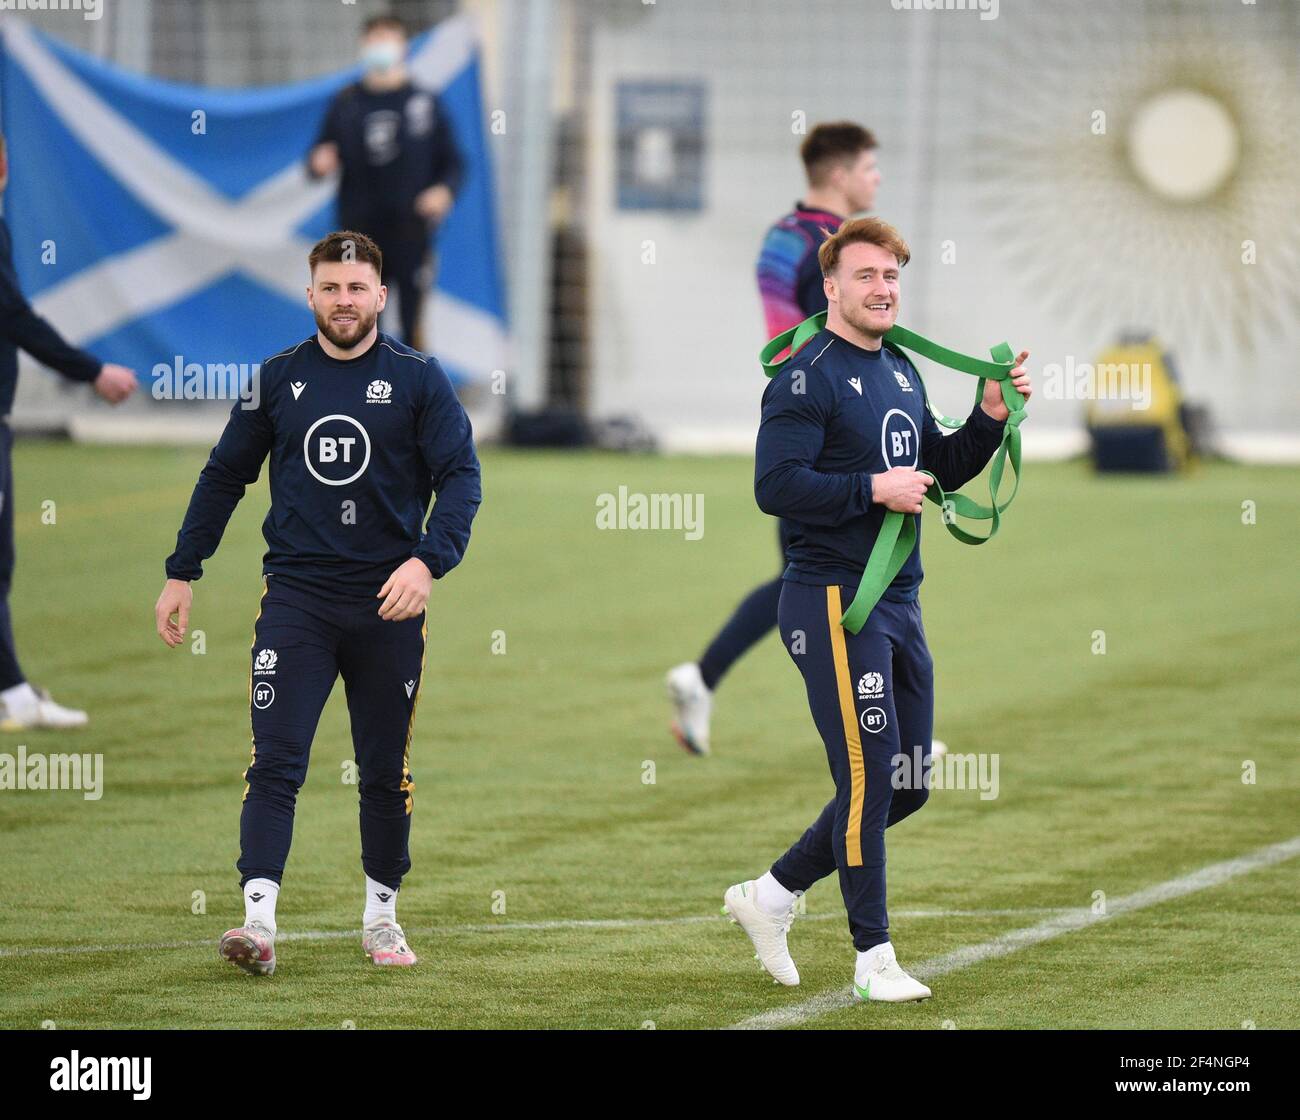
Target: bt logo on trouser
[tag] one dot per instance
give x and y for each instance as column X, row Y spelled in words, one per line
column 873, row 720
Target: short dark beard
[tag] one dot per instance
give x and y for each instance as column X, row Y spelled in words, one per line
column 364, row 327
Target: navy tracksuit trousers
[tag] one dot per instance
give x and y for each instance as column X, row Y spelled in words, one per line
column 10, row 673
column 304, row 640
column 872, row 699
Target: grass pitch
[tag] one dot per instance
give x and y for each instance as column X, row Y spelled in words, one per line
column 555, row 884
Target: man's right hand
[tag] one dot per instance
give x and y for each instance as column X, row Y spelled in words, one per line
column 324, row 159
column 175, row 600
column 901, row 489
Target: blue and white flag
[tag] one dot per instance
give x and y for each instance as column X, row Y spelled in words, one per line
column 153, row 220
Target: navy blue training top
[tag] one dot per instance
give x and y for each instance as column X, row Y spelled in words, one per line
column 357, row 449
column 21, row 328
column 392, row 145
column 833, row 416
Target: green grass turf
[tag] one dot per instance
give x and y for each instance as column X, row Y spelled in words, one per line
column 1117, row 771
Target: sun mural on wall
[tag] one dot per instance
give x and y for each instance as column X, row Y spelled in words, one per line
column 1147, row 185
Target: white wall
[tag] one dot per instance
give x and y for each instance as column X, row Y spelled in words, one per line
column 986, row 137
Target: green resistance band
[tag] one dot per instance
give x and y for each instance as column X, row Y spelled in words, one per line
column 897, row 535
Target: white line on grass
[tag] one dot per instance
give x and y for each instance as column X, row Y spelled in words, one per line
column 486, row 927
column 1017, row 939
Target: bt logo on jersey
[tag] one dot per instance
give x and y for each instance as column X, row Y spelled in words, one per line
column 899, row 439
column 336, row 450
column 329, row 448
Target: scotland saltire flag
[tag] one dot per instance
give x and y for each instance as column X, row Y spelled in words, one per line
column 153, row 219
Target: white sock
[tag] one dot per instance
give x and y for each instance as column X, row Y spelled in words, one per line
column 20, row 701
column 381, row 904
column 869, row 957
column 770, row 896
column 259, row 901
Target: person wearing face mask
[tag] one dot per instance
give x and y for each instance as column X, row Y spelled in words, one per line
column 399, row 168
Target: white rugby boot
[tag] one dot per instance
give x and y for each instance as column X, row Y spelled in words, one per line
column 38, row 710
column 879, row 976
column 694, row 704
column 250, row 947
column 385, row 943
column 766, row 931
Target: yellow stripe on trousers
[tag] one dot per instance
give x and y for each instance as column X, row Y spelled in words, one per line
column 253, row 752
column 852, row 738
column 408, row 786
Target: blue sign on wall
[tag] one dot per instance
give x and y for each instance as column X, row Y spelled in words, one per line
column 660, row 145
